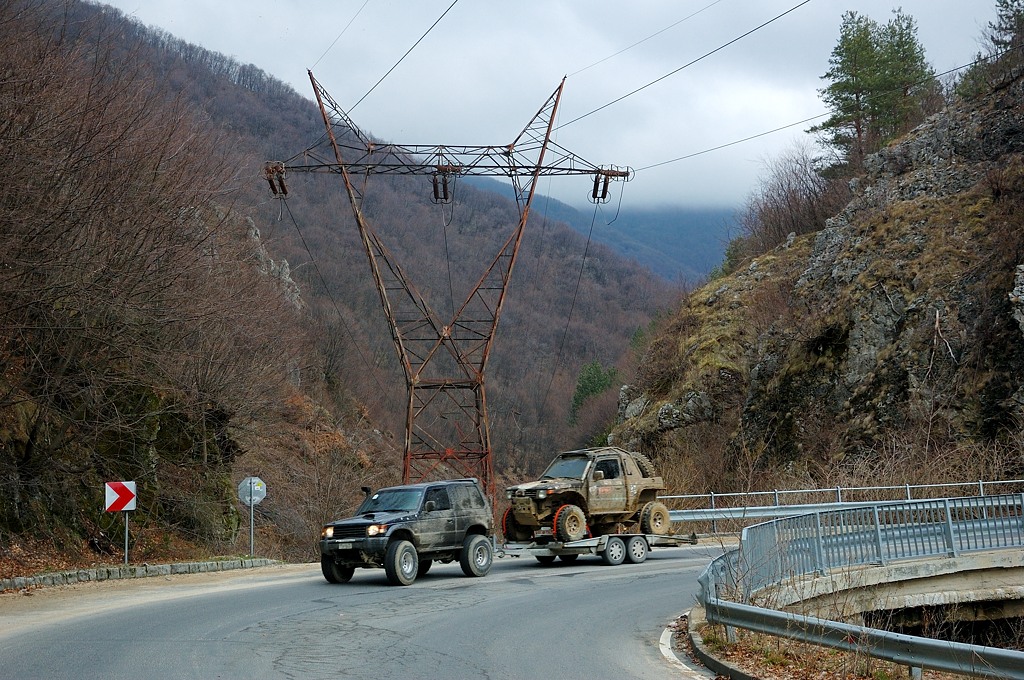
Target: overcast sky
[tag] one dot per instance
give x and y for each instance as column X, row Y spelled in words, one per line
column 487, row 67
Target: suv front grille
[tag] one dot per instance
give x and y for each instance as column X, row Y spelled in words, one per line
column 349, row 532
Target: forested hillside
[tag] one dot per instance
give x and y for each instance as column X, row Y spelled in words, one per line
column 164, row 319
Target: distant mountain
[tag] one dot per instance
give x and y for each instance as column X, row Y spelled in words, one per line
column 679, row 244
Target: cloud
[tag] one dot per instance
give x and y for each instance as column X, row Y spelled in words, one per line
column 485, row 69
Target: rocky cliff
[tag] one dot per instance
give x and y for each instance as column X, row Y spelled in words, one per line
column 889, row 344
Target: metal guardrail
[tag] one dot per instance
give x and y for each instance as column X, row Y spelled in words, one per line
column 764, row 502
column 774, row 551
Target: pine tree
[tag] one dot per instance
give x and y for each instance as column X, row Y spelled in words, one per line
column 853, row 66
column 1007, row 32
column 881, row 85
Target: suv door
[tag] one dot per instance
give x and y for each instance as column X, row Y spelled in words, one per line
column 607, row 491
column 438, row 529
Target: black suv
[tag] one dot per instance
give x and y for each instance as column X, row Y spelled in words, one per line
column 405, row 528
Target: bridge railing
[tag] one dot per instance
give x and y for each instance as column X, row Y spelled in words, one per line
column 746, row 507
column 773, row 552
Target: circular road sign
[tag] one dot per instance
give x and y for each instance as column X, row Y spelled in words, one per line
column 252, row 490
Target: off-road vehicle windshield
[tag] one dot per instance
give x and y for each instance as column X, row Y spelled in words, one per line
column 569, row 468
column 392, row 500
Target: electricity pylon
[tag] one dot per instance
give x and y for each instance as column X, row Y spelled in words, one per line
column 446, row 426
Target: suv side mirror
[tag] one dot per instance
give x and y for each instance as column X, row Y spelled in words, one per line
column 429, row 506
column 598, row 475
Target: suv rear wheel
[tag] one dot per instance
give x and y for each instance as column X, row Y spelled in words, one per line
column 401, row 563
column 477, row 556
column 654, row 519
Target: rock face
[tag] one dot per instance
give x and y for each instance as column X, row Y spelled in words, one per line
column 279, row 271
column 904, row 315
column 1017, row 297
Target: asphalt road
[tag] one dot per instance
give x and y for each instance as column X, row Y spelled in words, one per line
column 523, row 620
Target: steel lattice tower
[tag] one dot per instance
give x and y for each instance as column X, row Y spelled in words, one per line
column 446, row 428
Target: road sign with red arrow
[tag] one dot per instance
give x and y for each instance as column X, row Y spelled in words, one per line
column 120, row 496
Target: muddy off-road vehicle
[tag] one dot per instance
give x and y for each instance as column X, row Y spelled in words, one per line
column 587, row 492
column 404, row 529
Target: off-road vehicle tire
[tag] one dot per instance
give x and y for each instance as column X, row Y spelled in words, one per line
column 569, row 523
column 545, row 559
column 477, row 556
column 401, row 563
column 334, row 572
column 654, row 519
column 512, row 530
column 423, row 567
column 614, row 552
column 636, row 549
column 645, row 464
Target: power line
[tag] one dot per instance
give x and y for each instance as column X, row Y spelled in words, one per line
column 329, row 47
column 639, row 42
column 403, row 56
column 572, row 308
column 700, row 58
column 820, row 115
column 330, row 296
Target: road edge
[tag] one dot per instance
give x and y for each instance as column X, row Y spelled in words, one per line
column 107, row 573
column 667, row 651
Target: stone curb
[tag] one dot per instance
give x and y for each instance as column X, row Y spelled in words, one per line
column 64, row 578
column 722, row 668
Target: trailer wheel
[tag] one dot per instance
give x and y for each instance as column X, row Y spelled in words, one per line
column 636, row 549
column 570, row 524
column 401, row 563
column 334, row 572
column 614, row 551
column 570, row 557
column 545, row 559
column 654, row 519
column 512, row 530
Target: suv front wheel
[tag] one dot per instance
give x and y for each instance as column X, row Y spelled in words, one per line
column 334, row 572
column 401, row 563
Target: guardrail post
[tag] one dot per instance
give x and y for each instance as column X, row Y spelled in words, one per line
column 878, row 537
column 714, row 522
column 819, row 546
column 908, row 491
column 839, row 494
column 950, row 547
column 914, row 673
column 776, row 498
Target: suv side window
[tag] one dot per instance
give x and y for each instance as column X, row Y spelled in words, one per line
column 466, row 497
column 610, row 468
column 439, row 495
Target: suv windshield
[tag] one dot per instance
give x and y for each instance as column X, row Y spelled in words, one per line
column 572, row 468
column 392, row 500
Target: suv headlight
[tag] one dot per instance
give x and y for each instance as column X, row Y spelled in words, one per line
column 327, row 532
column 542, row 494
column 376, row 529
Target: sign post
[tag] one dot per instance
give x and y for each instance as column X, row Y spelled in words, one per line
column 121, row 497
column 251, row 491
